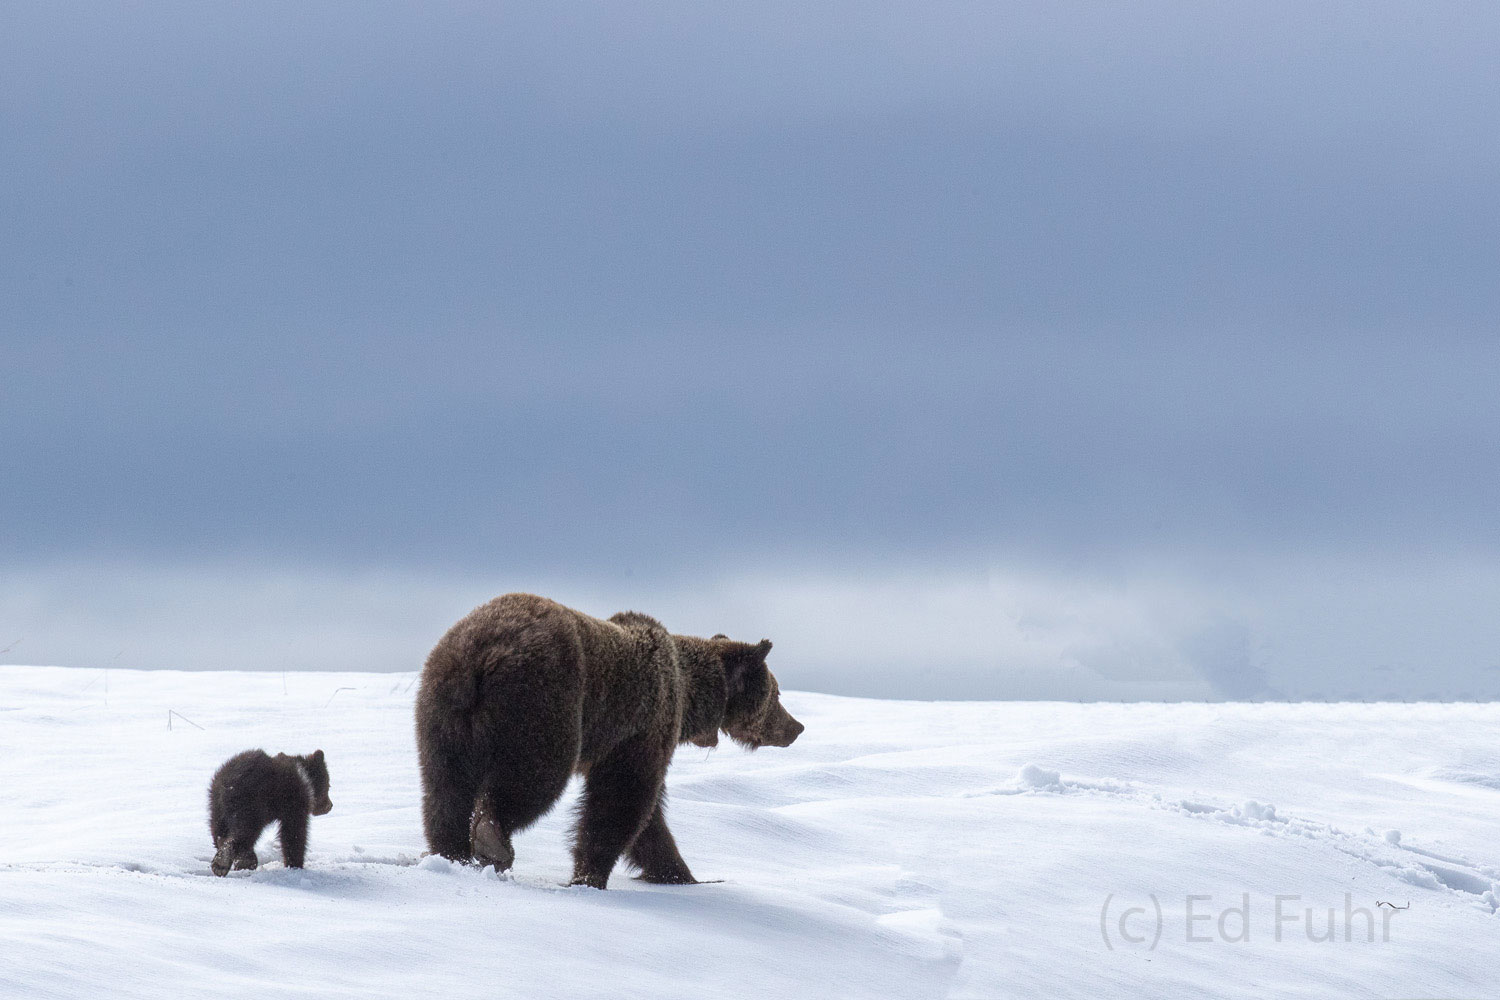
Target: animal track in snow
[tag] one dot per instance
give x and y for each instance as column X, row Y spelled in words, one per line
column 1428, row 869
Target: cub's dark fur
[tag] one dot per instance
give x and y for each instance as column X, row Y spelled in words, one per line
column 253, row 789
column 524, row 692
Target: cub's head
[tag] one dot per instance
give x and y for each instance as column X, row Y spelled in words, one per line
column 316, row 769
column 753, row 716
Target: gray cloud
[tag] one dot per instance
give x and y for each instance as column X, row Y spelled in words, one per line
column 642, row 298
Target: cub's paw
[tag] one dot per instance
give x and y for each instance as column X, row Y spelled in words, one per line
column 223, row 861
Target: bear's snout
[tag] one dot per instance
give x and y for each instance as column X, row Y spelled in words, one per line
column 323, row 808
column 787, row 732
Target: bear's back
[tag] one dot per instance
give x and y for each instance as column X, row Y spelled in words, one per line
column 255, row 782
column 521, row 653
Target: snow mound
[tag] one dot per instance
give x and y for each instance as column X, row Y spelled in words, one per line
column 1260, row 813
column 1032, row 776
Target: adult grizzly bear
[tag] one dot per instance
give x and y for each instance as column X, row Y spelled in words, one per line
column 523, row 692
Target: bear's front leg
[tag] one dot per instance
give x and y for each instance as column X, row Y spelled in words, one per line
column 655, row 853
column 618, row 799
column 294, row 838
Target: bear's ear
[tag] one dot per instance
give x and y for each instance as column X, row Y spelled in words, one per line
column 744, row 669
column 763, row 648
column 317, row 757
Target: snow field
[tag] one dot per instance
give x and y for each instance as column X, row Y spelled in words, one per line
column 897, row 849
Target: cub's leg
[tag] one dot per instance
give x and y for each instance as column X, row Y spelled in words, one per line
column 231, row 855
column 218, row 828
column 236, row 844
column 224, row 858
column 618, row 797
column 655, row 852
column 218, row 824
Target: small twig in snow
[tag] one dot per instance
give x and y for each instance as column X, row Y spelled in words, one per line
column 336, row 694
column 171, row 712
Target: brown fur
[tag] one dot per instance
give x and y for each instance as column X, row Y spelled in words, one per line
column 523, row 692
column 252, row 790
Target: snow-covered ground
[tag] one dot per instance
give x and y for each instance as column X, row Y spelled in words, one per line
column 898, row 849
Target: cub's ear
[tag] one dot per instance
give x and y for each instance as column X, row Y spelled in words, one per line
column 317, row 757
column 763, row 648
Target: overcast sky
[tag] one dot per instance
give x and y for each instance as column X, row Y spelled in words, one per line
column 964, row 350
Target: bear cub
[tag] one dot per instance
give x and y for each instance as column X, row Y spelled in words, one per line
column 252, row 790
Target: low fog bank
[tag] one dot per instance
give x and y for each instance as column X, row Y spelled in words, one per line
column 1303, row 629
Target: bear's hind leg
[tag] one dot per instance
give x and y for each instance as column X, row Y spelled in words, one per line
column 489, row 841
column 218, row 828
column 449, row 786
column 511, row 802
column 235, row 836
column 218, row 823
column 655, row 852
column 231, row 855
column 224, row 857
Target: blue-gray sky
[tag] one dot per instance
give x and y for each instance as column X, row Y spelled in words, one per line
column 1176, row 322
